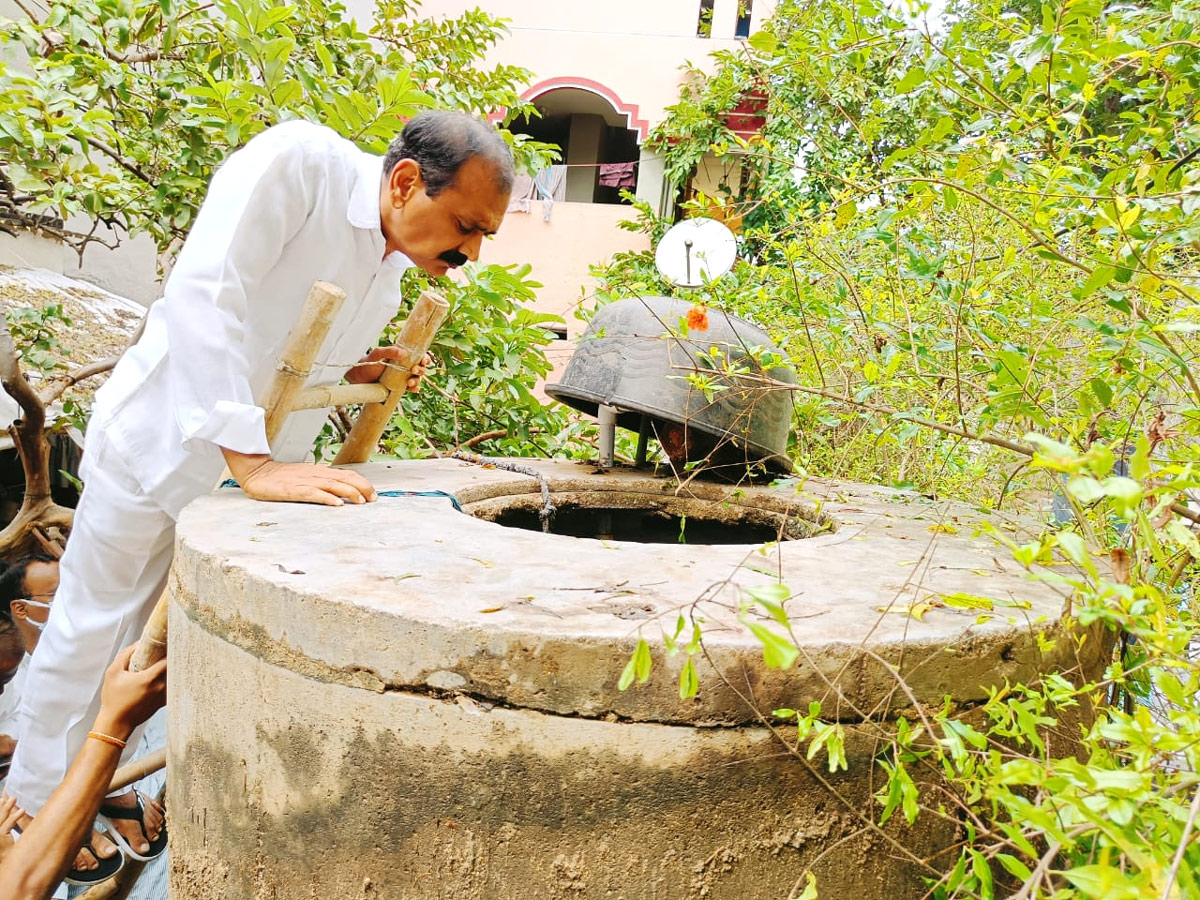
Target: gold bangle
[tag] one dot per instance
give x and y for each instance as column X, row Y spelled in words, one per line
column 106, row 738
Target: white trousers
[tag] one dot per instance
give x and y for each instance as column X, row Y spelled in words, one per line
column 113, row 571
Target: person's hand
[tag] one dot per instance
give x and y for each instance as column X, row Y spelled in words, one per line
column 305, row 483
column 8, row 746
column 372, row 366
column 127, row 699
column 10, row 813
column 264, row 479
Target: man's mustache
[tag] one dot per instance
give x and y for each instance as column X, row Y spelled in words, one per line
column 453, row 257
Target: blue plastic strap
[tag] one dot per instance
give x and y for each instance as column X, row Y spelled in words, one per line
column 232, row 482
column 446, row 494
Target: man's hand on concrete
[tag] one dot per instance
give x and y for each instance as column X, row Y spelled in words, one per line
column 264, row 479
column 372, row 366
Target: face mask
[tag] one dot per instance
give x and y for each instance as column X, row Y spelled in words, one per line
column 40, row 626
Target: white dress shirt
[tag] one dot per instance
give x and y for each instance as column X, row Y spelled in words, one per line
column 297, row 204
column 10, row 700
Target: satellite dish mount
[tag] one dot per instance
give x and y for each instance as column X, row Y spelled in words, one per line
column 695, row 252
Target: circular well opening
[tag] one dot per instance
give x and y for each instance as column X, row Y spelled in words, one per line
column 654, row 519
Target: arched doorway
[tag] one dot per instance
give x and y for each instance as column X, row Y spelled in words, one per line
column 596, row 132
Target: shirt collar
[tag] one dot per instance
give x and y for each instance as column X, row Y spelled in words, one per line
column 363, row 211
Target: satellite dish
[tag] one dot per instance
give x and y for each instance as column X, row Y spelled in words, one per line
column 695, row 252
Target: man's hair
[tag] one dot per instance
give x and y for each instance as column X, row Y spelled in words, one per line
column 12, row 581
column 442, row 141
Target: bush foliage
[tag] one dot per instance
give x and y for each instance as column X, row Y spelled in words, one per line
column 123, row 108
column 976, row 238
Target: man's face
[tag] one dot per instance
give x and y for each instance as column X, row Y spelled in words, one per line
column 12, row 651
column 31, row 611
column 442, row 232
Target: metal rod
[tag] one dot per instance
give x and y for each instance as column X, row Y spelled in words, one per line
column 643, row 441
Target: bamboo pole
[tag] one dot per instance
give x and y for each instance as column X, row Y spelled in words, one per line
column 286, row 389
column 153, row 645
column 415, row 337
column 295, row 362
column 138, row 769
column 326, row 396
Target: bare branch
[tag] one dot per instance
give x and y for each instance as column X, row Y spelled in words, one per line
column 15, row 384
column 1183, row 842
column 49, row 546
column 56, row 387
column 486, row 436
column 119, row 159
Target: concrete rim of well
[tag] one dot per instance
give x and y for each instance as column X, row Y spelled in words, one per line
column 407, row 594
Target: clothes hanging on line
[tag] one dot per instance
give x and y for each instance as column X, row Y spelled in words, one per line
column 551, row 185
column 618, row 175
column 548, row 185
column 522, row 194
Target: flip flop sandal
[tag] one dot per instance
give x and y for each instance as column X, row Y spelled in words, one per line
column 109, row 812
column 90, row 877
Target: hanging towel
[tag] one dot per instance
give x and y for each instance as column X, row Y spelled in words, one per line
column 550, row 184
column 618, row 175
column 523, row 192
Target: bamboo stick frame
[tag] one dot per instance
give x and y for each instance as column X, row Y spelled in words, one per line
column 326, row 396
column 138, row 769
column 415, row 337
column 296, row 360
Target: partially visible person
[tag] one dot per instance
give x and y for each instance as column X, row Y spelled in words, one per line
column 27, row 589
column 45, row 850
column 12, row 656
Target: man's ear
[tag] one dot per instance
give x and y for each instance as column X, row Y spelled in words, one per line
column 404, row 181
column 19, row 609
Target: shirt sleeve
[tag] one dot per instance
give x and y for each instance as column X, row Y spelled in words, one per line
column 257, row 201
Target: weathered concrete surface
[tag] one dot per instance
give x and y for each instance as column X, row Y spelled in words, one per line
column 400, row 701
column 282, row 786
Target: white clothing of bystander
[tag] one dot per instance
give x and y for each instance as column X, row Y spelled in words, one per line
column 296, row 205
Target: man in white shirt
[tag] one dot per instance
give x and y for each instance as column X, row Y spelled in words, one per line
column 297, row 204
column 27, row 588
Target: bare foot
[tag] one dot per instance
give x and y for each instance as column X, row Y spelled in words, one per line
column 131, row 829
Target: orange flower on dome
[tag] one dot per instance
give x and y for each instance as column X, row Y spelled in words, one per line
column 697, row 318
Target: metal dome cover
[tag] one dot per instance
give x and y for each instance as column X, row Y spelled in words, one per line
column 637, row 355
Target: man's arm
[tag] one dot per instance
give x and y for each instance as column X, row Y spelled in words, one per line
column 45, row 851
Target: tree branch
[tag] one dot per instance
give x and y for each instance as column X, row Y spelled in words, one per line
column 120, row 160
column 28, row 431
column 56, row 387
column 1180, row 509
column 486, row 436
column 1183, row 842
column 15, row 383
